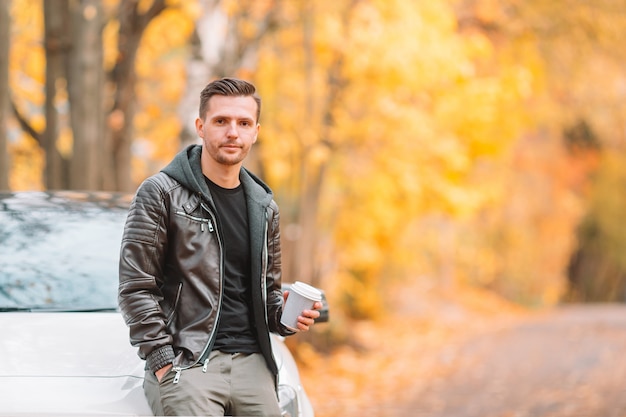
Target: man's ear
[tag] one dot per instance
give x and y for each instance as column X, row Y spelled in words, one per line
column 199, row 125
column 258, row 129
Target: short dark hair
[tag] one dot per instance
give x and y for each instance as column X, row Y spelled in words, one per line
column 232, row 87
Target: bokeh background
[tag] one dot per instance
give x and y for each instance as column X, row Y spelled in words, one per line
column 420, row 150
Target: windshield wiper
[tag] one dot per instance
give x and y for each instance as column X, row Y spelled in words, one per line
column 12, row 309
column 81, row 310
column 57, row 309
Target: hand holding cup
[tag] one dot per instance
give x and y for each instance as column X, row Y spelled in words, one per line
column 301, row 303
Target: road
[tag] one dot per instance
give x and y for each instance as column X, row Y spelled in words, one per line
column 570, row 362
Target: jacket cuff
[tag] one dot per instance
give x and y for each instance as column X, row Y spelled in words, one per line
column 286, row 331
column 160, row 357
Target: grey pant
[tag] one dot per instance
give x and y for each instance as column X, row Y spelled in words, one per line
column 233, row 384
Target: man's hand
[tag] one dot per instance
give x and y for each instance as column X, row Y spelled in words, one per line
column 307, row 318
column 161, row 372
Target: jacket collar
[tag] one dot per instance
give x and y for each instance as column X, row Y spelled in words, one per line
column 186, row 168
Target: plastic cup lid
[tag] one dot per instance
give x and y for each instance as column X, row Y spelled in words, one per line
column 307, row 291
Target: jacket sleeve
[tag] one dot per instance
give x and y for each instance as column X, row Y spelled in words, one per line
column 144, row 244
column 275, row 298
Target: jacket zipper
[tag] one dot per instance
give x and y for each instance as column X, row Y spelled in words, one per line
column 209, row 222
column 264, row 270
column 264, row 263
column 201, row 220
column 176, row 300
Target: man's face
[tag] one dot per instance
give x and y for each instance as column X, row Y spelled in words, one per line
column 229, row 128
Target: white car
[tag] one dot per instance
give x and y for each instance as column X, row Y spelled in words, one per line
column 64, row 346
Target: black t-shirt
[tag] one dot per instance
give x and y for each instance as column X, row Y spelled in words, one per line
column 235, row 331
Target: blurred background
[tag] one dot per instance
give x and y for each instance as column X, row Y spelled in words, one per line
column 461, row 148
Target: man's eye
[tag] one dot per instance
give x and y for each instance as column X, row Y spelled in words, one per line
column 219, row 121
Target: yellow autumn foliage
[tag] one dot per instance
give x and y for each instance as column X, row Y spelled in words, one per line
column 403, row 137
column 433, row 144
column 26, row 59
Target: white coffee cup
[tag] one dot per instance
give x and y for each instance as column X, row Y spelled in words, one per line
column 301, row 297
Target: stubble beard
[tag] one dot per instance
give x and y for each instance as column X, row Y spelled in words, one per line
column 228, row 159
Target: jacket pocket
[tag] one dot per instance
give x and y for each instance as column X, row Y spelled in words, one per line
column 172, row 313
column 204, row 223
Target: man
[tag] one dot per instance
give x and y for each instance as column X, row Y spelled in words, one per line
column 200, row 270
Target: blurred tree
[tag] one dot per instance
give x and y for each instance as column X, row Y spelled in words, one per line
column 73, row 78
column 597, row 268
column 5, row 42
column 305, row 238
column 74, row 75
column 373, row 121
column 301, row 80
column 85, row 82
column 98, row 154
column 133, row 18
column 56, row 39
column 522, row 241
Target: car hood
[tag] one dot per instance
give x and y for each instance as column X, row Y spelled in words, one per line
column 69, row 364
column 82, row 364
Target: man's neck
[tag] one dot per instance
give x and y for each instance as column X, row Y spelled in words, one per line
column 226, row 176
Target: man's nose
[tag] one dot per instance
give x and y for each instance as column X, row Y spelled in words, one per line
column 232, row 129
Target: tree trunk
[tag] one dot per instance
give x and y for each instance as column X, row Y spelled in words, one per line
column 123, row 78
column 56, row 18
column 301, row 248
column 304, row 262
column 594, row 277
column 85, row 72
column 5, row 21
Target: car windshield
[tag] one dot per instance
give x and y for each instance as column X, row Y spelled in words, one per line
column 59, row 258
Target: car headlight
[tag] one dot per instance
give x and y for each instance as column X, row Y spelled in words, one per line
column 288, row 401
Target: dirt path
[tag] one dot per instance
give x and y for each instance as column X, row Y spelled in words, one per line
column 570, row 362
column 465, row 353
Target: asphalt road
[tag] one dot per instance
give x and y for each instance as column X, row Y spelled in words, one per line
column 570, row 362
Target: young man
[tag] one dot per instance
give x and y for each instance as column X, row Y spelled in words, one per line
column 200, row 270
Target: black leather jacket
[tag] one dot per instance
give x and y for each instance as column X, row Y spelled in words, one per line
column 171, row 266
